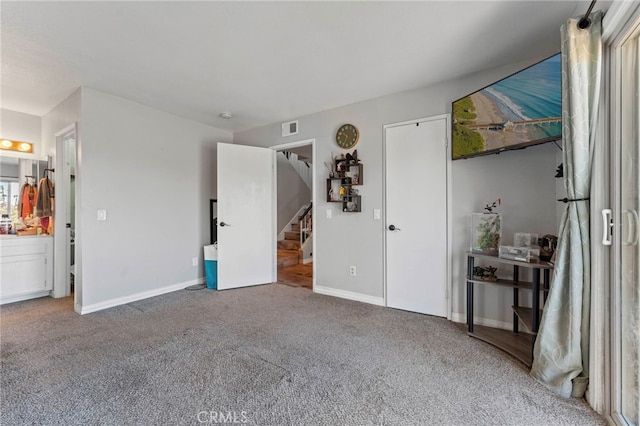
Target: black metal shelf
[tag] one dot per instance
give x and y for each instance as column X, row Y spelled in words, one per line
column 511, row 342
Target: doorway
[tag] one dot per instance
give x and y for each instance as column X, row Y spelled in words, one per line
column 66, row 278
column 416, row 213
column 295, row 213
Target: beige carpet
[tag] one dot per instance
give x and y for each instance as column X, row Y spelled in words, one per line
column 268, row 355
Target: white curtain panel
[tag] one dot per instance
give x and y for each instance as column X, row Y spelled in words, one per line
column 561, row 351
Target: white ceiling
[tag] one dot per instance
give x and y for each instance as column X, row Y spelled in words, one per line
column 264, row 62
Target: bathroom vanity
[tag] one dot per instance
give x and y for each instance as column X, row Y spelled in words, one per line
column 26, row 267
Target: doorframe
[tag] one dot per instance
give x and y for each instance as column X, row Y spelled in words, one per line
column 447, row 118
column 61, row 267
column 295, row 144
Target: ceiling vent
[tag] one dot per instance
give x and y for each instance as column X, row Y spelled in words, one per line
column 290, row 128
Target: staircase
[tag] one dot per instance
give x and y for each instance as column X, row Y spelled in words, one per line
column 289, row 248
column 301, row 165
column 295, row 247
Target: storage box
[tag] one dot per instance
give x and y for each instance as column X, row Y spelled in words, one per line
column 486, row 231
column 211, row 266
column 211, row 271
column 523, row 254
column 523, row 239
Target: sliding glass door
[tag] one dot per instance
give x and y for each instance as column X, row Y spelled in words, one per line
column 626, row 315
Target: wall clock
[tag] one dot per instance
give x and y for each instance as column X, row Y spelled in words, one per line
column 347, row 136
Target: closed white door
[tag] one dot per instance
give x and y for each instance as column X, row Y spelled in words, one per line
column 416, row 216
column 246, row 218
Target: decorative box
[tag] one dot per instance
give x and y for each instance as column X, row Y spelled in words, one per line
column 523, row 239
column 486, row 232
column 523, row 254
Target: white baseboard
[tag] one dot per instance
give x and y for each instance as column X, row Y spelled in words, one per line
column 137, row 296
column 307, row 260
column 25, row 297
column 462, row 318
column 343, row 294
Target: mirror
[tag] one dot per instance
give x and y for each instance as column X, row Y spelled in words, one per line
column 15, row 173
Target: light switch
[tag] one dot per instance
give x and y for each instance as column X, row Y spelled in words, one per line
column 328, row 213
column 102, row 215
column 376, row 213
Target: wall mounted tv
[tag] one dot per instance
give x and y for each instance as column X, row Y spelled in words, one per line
column 518, row 111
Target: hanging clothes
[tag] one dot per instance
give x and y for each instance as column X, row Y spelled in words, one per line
column 44, row 203
column 27, row 200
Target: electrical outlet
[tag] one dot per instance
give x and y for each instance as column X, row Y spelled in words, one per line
column 194, row 261
column 352, row 271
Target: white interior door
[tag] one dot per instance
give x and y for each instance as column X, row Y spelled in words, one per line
column 246, row 220
column 416, row 216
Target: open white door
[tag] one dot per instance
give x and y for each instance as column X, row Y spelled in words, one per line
column 246, row 220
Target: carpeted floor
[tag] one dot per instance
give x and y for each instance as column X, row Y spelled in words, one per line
column 268, row 355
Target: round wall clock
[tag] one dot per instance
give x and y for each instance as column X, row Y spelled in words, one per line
column 347, row 136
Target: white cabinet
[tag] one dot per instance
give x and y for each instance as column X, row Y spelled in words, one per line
column 26, row 267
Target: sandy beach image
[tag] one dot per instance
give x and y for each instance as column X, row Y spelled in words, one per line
column 488, row 111
column 521, row 110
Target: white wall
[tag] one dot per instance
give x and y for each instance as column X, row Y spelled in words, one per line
column 293, row 193
column 21, row 127
column 62, row 115
column 154, row 173
column 523, row 179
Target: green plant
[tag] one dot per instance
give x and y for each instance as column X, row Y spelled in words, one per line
column 489, row 232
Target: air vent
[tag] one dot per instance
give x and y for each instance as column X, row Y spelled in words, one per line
column 290, row 128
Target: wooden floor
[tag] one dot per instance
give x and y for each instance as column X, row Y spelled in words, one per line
column 297, row 275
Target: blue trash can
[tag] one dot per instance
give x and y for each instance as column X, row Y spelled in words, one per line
column 211, row 266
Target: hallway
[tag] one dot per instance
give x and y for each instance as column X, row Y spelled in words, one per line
column 299, row 275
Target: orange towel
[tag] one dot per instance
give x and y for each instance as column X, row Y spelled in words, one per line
column 28, row 198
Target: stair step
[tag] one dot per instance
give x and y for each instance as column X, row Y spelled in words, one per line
column 289, row 244
column 295, row 227
column 288, row 235
column 287, row 258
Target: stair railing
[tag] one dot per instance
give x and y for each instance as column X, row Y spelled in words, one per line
column 301, row 167
column 306, row 225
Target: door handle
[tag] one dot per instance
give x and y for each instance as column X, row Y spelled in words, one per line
column 607, row 228
column 632, row 227
column 224, row 224
column 393, row 228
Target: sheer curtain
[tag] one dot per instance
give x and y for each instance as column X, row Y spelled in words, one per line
column 561, row 351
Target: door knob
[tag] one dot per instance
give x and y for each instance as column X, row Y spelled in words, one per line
column 224, row 224
column 393, row 228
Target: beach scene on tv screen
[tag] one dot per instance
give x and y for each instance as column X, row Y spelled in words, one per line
column 521, row 110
